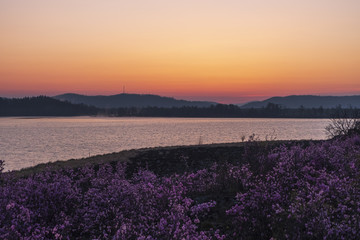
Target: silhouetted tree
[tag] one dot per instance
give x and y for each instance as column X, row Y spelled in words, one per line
column 344, row 122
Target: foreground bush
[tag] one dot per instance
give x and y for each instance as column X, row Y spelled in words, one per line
column 293, row 192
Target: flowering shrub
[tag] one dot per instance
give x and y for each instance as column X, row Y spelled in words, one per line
column 312, row 192
column 293, row 192
column 102, row 204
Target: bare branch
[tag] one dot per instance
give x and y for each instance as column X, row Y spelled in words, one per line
column 345, row 122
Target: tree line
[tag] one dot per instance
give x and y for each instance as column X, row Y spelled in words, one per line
column 43, row 106
column 46, row 106
column 232, row 111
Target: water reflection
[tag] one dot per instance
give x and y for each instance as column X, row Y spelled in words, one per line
column 26, row 142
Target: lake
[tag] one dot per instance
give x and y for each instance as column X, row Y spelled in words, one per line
column 25, row 142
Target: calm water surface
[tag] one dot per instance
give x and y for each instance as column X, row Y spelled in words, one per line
column 25, row 142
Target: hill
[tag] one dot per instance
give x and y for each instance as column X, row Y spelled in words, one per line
column 42, row 106
column 308, row 101
column 130, row 100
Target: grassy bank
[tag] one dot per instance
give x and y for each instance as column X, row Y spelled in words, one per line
column 251, row 190
column 162, row 160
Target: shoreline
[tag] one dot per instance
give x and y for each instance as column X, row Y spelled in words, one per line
column 112, row 117
column 157, row 157
column 123, row 156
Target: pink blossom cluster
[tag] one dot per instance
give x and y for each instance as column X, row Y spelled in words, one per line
column 293, row 191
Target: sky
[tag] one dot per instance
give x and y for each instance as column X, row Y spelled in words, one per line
column 230, row 51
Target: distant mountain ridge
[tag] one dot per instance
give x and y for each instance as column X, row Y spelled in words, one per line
column 47, row 106
column 126, row 100
column 308, row 101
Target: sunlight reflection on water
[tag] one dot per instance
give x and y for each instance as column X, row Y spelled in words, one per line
column 26, row 142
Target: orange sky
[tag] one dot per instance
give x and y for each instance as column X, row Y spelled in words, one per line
column 226, row 51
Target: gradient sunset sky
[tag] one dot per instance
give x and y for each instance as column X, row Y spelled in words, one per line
column 229, row 51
